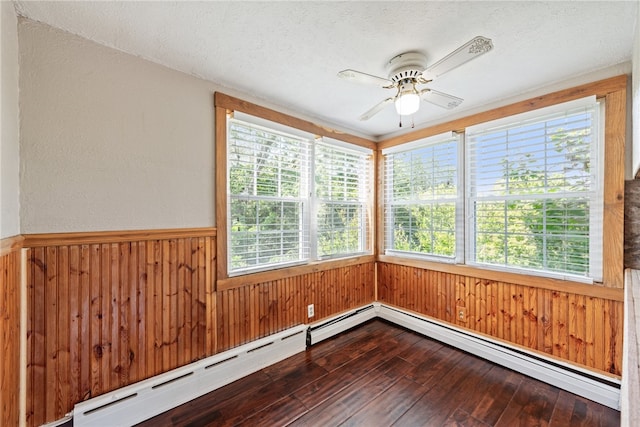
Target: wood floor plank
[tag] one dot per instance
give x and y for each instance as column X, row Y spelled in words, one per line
column 420, row 351
column 317, row 392
column 340, row 378
column 280, row 413
column 532, row 404
column 462, row 418
column 446, row 394
column 287, row 366
column 202, row 406
column 563, row 411
column 500, row 386
column 378, row 375
column 388, row 406
column 572, row 410
column 342, row 405
column 436, row 366
column 246, row 397
column 352, row 350
column 237, row 410
column 361, row 332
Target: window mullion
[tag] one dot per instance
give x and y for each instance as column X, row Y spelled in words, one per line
column 312, row 219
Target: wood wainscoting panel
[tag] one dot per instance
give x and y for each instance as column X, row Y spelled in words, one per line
column 10, row 277
column 585, row 330
column 105, row 315
column 106, row 310
column 254, row 311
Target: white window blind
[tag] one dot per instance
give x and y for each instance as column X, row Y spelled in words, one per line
column 342, row 189
column 293, row 198
column 534, row 191
column 268, row 204
column 422, row 197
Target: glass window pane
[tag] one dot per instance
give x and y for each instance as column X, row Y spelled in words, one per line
column 267, row 173
column 531, row 190
column 342, row 192
column 421, row 193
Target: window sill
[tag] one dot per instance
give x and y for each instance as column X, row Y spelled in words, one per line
column 283, row 273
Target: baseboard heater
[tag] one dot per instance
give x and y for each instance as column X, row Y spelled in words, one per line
column 585, row 383
column 143, row 400
column 333, row 326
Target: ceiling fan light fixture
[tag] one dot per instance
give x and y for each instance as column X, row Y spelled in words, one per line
column 409, row 69
column 408, row 102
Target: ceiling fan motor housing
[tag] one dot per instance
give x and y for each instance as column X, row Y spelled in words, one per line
column 409, row 69
column 409, row 65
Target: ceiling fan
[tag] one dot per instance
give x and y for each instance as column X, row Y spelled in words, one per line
column 410, row 69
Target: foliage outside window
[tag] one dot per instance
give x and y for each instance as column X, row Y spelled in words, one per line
column 422, row 199
column 272, row 196
column 342, row 193
column 534, row 192
column 267, row 196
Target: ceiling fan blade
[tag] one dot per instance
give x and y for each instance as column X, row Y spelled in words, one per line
column 468, row 51
column 440, row 99
column 360, row 77
column 376, row 109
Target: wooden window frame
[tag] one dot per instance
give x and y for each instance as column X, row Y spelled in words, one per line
column 226, row 105
column 389, row 202
column 613, row 92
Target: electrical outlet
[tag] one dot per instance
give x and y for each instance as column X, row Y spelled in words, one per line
column 461, row 313
column 310, row 311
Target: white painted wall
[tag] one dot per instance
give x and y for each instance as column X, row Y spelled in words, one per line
column 110, row 141
column 630, row 390
column 635, row 95
column 113, row 142
column 9, row 124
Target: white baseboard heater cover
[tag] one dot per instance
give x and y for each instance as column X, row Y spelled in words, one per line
column 143, row 400
column 590, row 385
column 328, row 328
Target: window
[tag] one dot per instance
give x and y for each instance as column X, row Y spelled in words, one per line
column 268, row 196
column 528, row 197
column 422, row 198
column 342, row 194
column 534, row 191
column 293, row 198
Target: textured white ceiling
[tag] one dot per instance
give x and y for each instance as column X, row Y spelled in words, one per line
column 288, row 53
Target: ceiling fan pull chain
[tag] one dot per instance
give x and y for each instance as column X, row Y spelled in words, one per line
column 413, row 125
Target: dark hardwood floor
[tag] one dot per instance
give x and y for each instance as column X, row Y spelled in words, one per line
column 382, row 375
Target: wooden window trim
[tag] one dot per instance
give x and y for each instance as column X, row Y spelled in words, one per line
column 116, row 236
column 225, row 105
column 11, row 244
column 224, row 284
column 613, row 91
column 230, row 104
